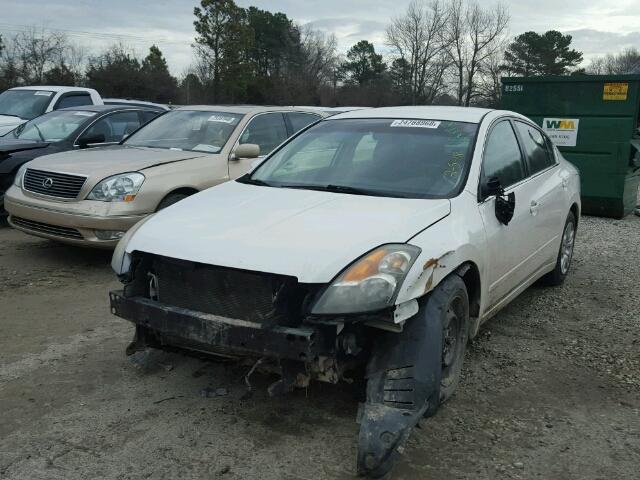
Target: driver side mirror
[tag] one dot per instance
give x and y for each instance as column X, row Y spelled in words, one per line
column 85, row 141
column 505, row 205
column 246, row 150
column 493, row 187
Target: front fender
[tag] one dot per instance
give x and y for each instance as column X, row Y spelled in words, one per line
column 445, row 246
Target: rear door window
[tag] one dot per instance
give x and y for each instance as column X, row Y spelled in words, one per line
column 536, row 147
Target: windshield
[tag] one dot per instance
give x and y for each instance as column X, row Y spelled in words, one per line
column 187, row 130
column 53, row 126
column 385, row 157
column 26, row 104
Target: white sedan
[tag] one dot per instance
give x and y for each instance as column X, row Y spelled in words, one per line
column 379, row 238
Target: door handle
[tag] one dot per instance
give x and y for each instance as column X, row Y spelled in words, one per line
column 533, row 208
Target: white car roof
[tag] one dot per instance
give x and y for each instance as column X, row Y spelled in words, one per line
column 459, row 114
column 54, row 88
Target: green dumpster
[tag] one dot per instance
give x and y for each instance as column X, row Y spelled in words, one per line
column 595, row 122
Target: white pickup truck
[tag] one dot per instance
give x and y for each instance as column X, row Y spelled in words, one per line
column 20, row 104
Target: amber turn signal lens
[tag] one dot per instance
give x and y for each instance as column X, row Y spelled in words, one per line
column 129, row 198
column 365, row 268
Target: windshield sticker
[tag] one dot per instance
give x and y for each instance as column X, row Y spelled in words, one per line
column 416, row 123
column 203, row 147
column 222, row 119
column 43, row 93
column 85, row 114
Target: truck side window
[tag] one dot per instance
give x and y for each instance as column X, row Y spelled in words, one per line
column 502, row 157
column 536, row 148
column 74, row 100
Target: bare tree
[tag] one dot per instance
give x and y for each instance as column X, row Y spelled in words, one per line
column 36, row 51
column 489, row 85
column 474, row 34
column 627, row 61
column 318, row 54
column 417, row 38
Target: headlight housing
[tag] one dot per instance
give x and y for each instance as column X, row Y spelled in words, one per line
column 17, row 181
column 118, row 188
column 370, row 283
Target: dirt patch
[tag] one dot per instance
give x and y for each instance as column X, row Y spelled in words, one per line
column 551, row 387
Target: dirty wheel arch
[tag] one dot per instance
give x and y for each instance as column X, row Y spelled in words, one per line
column 174, row 197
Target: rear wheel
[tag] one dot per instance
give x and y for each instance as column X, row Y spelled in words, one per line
column 565, row 254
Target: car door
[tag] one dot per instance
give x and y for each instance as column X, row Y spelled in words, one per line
column 509, row 247
column 547, row 202
column 267, row 130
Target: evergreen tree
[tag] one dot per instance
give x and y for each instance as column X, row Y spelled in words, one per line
column 534, row 54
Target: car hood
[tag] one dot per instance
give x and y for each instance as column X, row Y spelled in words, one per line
column 8, row 123
column 307, row 234
column 104, row 161
column 9, row 145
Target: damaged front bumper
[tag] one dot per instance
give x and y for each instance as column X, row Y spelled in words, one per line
column 180, row 327
column 402, row 373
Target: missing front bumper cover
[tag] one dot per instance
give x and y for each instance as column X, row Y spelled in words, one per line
column 215, row 334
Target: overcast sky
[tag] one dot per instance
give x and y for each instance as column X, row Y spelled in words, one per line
column 597, row 26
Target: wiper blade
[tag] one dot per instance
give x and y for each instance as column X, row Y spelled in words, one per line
column 343, row 189
column 352, row 190
column 253, row 181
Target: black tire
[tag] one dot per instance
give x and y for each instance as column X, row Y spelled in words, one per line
column 170, row 200
column 449, row 304
column 565, row 254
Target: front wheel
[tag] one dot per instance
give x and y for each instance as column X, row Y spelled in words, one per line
column 449, row 304
column 565, row 254
column 170, row 200
column 410, row 373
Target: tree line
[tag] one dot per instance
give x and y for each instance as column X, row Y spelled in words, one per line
column 450, row 52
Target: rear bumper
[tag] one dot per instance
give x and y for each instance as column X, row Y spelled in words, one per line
column 199, row 331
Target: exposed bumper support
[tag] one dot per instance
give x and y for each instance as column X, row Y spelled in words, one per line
column 215, row 334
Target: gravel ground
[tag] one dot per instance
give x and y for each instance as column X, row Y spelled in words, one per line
column 551, row 387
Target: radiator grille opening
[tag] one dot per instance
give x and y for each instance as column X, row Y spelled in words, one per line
column 232, row 293
column 54, row 184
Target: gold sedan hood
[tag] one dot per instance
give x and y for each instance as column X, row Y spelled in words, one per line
column 106, row 161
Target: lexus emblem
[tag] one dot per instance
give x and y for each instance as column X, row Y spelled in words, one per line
column 47, row 183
